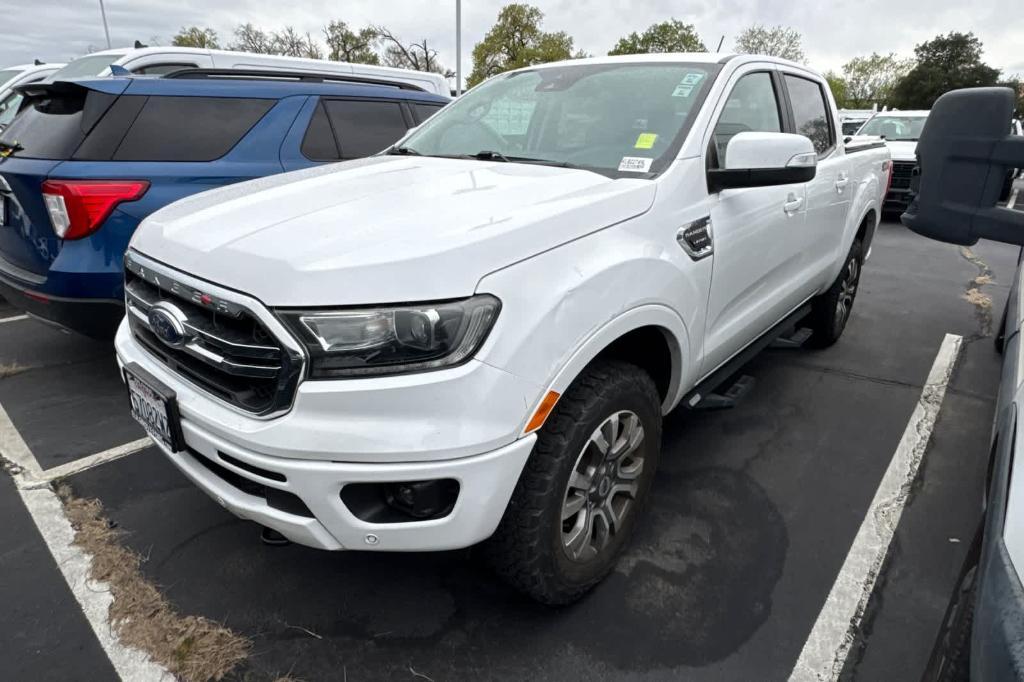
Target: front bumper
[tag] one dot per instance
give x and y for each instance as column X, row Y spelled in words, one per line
column 385, row 430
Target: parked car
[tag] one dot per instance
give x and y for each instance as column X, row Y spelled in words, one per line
column 900, row 129
column 164, row 60
column 852, row 119
column 87, row 160
column 21, row 74
column 476, row 335
column 964, row 152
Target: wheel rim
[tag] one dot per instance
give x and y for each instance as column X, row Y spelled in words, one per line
column 603, row 486
column 847, row 291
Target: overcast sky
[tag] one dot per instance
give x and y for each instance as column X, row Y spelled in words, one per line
column 59, row 30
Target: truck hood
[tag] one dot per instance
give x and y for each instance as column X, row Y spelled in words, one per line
column 902, row 150
column 385, row 229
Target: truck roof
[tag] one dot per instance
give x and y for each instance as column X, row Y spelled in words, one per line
column 670, row 57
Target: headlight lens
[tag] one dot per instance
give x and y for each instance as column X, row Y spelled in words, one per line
column 393, row 340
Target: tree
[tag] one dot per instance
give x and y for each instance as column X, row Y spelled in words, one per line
column 288, row 42
column 516, row 40
column 417, row 56
column 774, row 41
column 839, row 87
column 346, row 45
column 944, row 63
column 193, row 36
column 870, row 80
column 668, row 36
column 248, row 38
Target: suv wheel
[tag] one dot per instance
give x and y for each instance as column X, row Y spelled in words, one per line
column 831, row 310
column 579, row 496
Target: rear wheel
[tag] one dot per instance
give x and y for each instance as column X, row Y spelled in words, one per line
column 577, row 501
column 831, row 310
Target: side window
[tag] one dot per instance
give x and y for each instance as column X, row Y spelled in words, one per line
column 9, row 108
column 363, row 128
column 318, row 144
column 424, row 111
column 810, row 113
column 190, row 128
column 162, row 69
column 751, row 107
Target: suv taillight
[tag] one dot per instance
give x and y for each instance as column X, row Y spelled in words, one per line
column 77, row 208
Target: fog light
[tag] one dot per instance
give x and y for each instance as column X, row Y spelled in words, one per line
column 423, row 499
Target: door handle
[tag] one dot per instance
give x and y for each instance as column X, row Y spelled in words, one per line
column 793, row 204
column 842, row 181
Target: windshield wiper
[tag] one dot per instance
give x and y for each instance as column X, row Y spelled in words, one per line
column 9, row 148
column 403, row 151
column 488, row 155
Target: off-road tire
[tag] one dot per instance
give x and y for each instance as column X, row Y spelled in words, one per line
column 827, row 320
column 527, row 549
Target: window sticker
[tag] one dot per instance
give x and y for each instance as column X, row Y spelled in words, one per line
column 688, row 83
column 635, row 164
column 645, row 141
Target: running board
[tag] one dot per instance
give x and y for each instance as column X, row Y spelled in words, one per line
column 713, row 381
column 728, row 398
column 794, row 340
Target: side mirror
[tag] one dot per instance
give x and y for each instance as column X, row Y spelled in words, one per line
column 963, row 158
column 764, row 159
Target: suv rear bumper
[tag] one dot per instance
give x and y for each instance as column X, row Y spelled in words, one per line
column 97, row 318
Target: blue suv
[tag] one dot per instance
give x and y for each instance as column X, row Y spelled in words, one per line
column 85, row 161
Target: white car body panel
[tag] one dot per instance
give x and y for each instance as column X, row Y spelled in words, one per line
column 577, row 260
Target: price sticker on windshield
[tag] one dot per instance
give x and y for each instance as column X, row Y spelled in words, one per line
column 635, row 164
column 687, row 84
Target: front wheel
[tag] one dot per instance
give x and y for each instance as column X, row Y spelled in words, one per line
column 831, row 310
column 578, row 498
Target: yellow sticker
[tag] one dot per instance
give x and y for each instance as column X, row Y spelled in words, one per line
column 645, row 140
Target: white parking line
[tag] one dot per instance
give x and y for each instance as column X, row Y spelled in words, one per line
column 15, row 318
column 86, row 463
column 828, row 645
column 75, row 565
column 1013, row 199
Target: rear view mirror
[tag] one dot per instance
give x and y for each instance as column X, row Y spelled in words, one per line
column 764, row 159
column 963, row 157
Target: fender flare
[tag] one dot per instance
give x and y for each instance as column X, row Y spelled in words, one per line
column 649, row 315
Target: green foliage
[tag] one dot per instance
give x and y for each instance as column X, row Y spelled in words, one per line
column 870, row 80
column 668, row 36
column 837, row 84
column 346, row 45
column 944, row 63
column 193, row 36
column 516, row 40
column 773, row 41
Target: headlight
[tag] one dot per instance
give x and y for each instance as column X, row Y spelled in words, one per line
column 392, row 340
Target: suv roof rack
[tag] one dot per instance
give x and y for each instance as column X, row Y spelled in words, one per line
column 300, row 76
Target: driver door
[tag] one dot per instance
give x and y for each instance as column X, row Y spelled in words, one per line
column 756, row 230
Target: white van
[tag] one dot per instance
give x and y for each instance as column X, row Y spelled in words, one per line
column 162, row 60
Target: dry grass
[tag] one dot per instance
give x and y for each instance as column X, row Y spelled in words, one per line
column 9, row 369
column 978, row 298
column 190, row 647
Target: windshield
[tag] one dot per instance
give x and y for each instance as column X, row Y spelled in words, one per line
column 91, row 65
column 895, row 128
column 8, row 75
column 9, row 108
column 622, row 120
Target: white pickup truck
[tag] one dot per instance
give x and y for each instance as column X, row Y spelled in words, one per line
column 475, row 335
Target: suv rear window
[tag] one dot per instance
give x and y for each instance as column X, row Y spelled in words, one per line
column 189, row 128
column 53, row 127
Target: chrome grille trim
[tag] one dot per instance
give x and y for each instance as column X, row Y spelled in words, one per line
column 217, row 349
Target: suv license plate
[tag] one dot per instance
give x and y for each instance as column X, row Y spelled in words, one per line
column 154, row 406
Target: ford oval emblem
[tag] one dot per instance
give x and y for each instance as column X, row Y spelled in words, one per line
column 167, row 323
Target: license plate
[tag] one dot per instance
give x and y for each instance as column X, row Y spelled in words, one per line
column 154, row 406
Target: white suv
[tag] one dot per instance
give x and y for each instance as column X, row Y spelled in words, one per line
column 477, row 333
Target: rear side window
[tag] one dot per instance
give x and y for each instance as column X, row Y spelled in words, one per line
column 190, row 128
column 424, row 111
column 363, row 128
column 810, row 112
column 318, row 143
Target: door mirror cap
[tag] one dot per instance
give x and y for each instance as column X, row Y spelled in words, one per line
column 763, row 160
column 964, row 156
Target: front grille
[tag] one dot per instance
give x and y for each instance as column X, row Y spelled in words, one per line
column 228, row 352
column 902, row 172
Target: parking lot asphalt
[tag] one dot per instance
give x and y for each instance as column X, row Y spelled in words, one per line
column 753, row 514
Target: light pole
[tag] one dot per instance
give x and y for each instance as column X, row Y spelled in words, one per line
column 458, row 47
column 106, row 30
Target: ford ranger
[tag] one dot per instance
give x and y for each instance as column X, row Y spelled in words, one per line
column 474, row 336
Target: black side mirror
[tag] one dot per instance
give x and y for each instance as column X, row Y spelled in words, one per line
column 963, row 157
